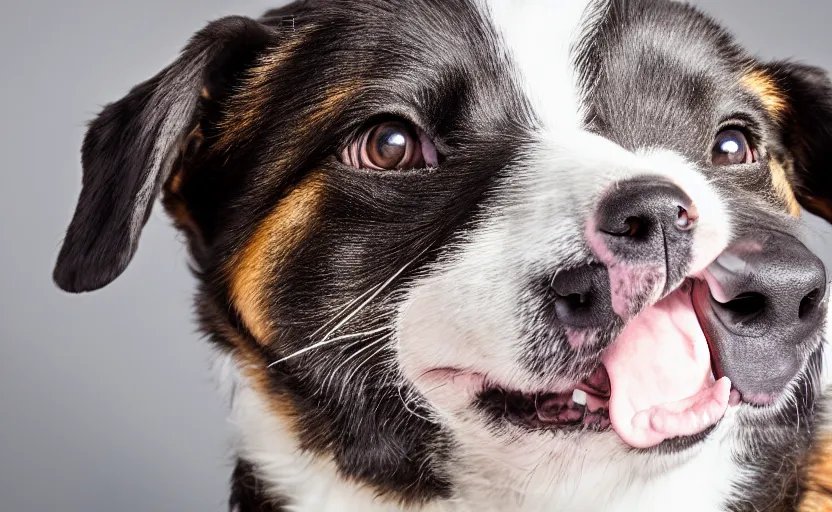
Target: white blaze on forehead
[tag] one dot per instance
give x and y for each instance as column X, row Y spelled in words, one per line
column 539, row 37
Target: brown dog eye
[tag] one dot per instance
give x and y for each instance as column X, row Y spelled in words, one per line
column 391, row 145
column 732, row 148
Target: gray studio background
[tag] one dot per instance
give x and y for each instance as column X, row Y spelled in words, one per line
column 106, row 402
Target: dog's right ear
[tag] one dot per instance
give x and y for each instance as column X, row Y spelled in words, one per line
column 128, row 150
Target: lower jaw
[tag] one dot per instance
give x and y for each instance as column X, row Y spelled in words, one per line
column 521, row 411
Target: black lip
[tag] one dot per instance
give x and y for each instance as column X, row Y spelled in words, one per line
column 678, row 444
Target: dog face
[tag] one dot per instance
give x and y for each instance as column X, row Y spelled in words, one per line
column 547, row 246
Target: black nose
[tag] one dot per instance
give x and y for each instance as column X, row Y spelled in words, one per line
column 648, row 221
column 581, row 297
column 764, row 312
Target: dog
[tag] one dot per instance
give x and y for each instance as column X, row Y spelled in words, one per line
column 489, row 255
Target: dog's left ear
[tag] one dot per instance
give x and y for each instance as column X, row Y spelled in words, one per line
column 128, row 150
column 804, row 111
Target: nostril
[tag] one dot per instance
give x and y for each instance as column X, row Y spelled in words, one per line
column 572, row 305
column 632, row 227
column 581, row 297
column 577, row 300
column 809, row 304
column 646, row 220
column 685, row 220
column 746, row 306
column 639, row 228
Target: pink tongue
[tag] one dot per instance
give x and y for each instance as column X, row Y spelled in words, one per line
column 660, row 376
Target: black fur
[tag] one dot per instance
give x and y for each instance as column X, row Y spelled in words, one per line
column 368, row 430
column 128, row 150
column 806, row 129
column 249, row 494
column 437, row 64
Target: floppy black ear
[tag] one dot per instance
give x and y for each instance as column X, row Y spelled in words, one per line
column 128, row 150
column 806, row 126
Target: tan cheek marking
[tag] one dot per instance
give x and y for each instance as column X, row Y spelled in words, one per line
column 282, row 231
column 818, row 478
column 816, row 502
column 782, row 185
column 764, row 86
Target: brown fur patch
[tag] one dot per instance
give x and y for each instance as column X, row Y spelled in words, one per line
column 765, row 87
column 816, row 502
column 252, row 269
column 817, row 480
column 783, row 186
column 243, row 115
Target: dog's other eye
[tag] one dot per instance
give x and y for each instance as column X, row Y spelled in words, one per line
column 732, row 148
column 391, row 145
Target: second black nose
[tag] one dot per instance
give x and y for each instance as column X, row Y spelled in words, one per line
column 764, row 312
column 648, row 221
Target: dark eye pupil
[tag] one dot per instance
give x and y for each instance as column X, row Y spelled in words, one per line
column 391, row 144
column 388, row 145
column 731, row 148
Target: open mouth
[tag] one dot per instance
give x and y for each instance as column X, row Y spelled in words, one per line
column 656, row 385
column 584, row 408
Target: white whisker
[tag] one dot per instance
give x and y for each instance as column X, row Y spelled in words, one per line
column 408, row 409
column 358, row 367
column 350, row 358
column 344, row 309
column 370, row 299
column 329, row 342
column 326, row 340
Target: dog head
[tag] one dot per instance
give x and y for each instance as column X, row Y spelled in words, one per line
column 496, row 240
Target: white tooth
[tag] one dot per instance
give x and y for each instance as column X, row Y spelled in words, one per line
column 579, row 397
column 694, row 419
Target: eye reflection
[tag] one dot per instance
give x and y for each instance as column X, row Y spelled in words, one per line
column 732, row 148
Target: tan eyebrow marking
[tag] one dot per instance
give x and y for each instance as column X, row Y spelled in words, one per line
column 765, row 87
